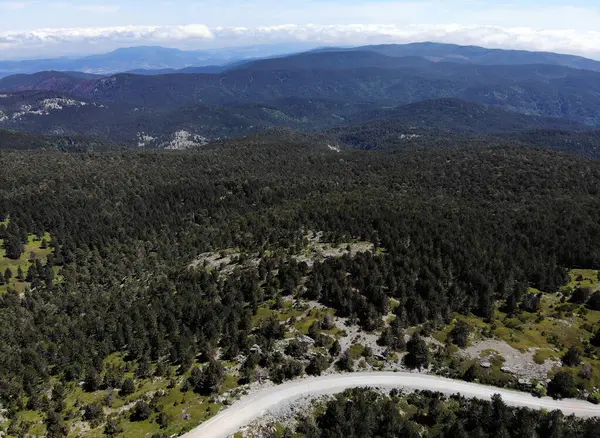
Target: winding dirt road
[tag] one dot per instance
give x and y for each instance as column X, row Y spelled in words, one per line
column 249, row 408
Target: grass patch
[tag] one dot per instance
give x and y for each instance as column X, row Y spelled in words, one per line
column 557, row 325
column 316, row 315
column 356, row 351
column 266, row 311
column 475, row 324
column 32, row 251
column 30, row 416
column 542, row 355
column 38, row 430
column 587, row 278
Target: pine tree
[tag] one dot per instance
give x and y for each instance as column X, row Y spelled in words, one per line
column 418, row 353
column 460, row 334
column 141, row 411
column 345, row 362
column 144, row 369
column 13, row 246
column 92, row 381
column 128, row 387
column 335, row 349
column 572, row 357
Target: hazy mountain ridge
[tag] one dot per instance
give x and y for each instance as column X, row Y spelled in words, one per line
column 478, row 55
column 148, row 58
column 310, row 91
column 160, row 60
column 543, row 90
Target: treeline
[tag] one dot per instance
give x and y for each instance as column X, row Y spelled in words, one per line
column 364, row 412
column 454, row 230
column 11, row 140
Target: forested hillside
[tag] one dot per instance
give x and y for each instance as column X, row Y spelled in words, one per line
column 455, row 115
column 46, row 80
column 26, row 141
column 175, row 269
column 374, row 96
column 345, row 76
column 448, row 123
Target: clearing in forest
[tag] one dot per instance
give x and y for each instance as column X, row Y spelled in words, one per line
column 36, row 248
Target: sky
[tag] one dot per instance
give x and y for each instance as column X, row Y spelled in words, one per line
column 47, row 28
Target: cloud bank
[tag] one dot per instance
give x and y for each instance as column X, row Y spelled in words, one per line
column 579, row 42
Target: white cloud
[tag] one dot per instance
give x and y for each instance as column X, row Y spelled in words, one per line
column 130, row 34
column 581, row 42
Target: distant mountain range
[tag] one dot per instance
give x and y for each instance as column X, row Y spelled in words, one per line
column 161, row 60
column 349, row 76
column 372, row 89
column 149, row 58
column 476, row 55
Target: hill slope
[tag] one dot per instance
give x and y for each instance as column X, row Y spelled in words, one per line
column 447, row 233
column 449, row 122
column 309, row 91
column 66, row 82
column 543, row 90
column 26, row 141
column 458, row 115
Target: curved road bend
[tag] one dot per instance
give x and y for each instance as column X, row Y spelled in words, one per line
column 251, row 407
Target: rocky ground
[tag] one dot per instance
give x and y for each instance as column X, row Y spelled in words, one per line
column 520, row 364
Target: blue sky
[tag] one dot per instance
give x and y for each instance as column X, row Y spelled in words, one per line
column 48, row 28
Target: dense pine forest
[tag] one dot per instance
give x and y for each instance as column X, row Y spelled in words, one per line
column 453, row 230
column 360, row 413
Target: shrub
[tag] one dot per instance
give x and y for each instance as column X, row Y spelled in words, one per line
column 572, row 357
column 594, row 301
column 317, row 365
column 128, row 387
column 562, row 385
column 418, row 353
column 580, row 295
column 595, row 341
column 345, row 362
column 335, row 349
column 92, row 412
column 460, row 334
column 141, row 411
column 296, row 348
column 594, row 398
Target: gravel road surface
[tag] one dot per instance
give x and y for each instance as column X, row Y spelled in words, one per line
column 251, row 407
